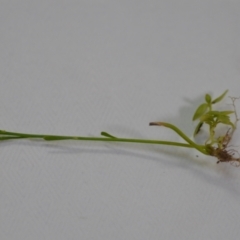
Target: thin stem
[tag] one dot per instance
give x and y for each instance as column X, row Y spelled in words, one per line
column 10, row 138
column 108, row 138
column 181, row 134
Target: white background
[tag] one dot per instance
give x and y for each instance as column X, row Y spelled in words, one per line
column 81, row 67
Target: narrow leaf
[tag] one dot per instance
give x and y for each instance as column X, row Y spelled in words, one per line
column 218, row 99
column 220, row 113
column 105, row 134
column 197, row 129
column 227, row 122
column 226, row 112
column 200, row 111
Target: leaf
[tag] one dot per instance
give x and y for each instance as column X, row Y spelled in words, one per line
column 219, row 113
column 208, row 98
column 218, row 99
column 198, row 128
column 225, row 120
column 105, row 134
column 208, row 117
column 226, row 112
column 200, row 111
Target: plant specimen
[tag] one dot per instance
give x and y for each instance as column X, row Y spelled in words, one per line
column 215, row 145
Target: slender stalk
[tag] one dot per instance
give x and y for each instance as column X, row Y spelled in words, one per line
column 108, row 138
column 10, row 138
column 181, row 134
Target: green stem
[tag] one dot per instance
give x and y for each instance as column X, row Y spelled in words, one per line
column 10, row 138
column 200, row 148
column 107, row 138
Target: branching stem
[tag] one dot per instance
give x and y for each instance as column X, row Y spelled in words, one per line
column 6, row 135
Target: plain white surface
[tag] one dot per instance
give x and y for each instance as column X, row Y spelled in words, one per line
column 81, row 67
